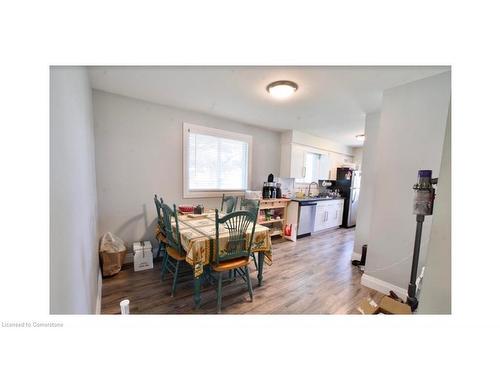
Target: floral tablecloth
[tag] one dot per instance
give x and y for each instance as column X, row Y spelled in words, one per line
column 198, row 237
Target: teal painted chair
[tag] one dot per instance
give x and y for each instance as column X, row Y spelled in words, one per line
column 251, row 205
column 160, row 227
column 230, row 202
column 174, row 254
column 234, row 255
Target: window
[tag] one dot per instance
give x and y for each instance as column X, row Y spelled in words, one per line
column 215, row 161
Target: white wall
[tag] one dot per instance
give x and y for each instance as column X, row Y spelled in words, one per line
column 368, row 175
column 435, row 297
column 139, row 153
column 74, row 261
column 304, row 139
column 357, row 155
column 410, row 137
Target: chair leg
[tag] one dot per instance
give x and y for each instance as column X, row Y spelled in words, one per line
column 219, row 294
column 249, row 283
column 159, row 249
column 176, row 274
column 255, row 261
column 164, row 266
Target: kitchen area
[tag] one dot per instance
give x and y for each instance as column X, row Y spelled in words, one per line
column 333, row 206
column 319, row 185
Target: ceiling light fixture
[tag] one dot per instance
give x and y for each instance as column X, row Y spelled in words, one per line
column 282, row 89
column 360, row 137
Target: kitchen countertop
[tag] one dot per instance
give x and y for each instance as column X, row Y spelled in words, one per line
column 274, row 199
column 312, row 199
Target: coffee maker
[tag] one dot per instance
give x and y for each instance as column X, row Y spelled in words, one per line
column 271, row 189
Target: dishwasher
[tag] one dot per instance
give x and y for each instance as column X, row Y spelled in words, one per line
column 307, row 212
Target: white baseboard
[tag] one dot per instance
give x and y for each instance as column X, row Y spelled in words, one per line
column 382, row 286
column 99, row 293
column 356, row 256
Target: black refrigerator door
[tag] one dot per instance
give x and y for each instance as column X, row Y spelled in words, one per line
column 344, row 181
column 344, row 174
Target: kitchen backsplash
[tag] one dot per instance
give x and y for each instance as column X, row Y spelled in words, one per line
column 303, row 187
column 289, row 186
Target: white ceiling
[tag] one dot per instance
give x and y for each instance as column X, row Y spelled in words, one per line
column 331, row 102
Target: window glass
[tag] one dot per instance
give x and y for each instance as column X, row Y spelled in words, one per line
column 217, row 163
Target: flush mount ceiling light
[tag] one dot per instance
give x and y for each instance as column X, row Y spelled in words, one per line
column 282, row 89
column 360, row 137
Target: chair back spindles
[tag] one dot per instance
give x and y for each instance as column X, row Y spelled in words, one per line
column 237, row 224
column 231, row 203
column 251, row 205
column 173, row 239
column 158, row 210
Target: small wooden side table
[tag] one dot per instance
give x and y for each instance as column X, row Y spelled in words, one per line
column 279, row 209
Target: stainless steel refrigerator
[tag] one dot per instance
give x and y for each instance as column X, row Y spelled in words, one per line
column 348, row 182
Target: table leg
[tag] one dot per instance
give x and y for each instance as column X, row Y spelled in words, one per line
column 261, row 267
column 197, row 296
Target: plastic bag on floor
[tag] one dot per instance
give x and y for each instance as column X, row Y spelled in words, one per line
column 112, row 254
column 111, row 243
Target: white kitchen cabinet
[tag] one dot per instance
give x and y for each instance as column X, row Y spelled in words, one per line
column 297, row 162
column 320, row 218
column 328, row 214
column 325, row 166
column 336, row 161
column 334, row 217
column 307, row 164
column 331, row 212
column 292, row 161
column 339, row 211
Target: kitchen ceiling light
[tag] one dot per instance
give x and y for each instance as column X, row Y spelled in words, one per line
column 360, row 137
column 282, row 89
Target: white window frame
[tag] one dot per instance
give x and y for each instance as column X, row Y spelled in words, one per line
column 185, row 162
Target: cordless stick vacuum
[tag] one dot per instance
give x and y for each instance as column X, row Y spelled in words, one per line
column 423, row 204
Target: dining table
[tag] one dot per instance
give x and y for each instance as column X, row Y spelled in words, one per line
column 198, row 235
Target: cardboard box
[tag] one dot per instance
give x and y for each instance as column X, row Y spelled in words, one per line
column 368, row 307
column 391, row 306
column 143, row 255
column 387, row 306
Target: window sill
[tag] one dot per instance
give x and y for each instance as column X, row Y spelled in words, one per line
column 212, row 194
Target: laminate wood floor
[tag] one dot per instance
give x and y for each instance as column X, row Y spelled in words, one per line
column 311, row 276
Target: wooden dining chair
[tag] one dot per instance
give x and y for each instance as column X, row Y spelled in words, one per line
column 174, row 253
column 230, row 201
column 233, row 254
column 251, row 205
column 160, row 227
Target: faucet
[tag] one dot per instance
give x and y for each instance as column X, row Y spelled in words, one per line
column 309, row 188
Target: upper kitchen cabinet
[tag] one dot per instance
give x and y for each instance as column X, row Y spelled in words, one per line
column 338, row 160
column 297, row 161
column 305, row 164
column 292, row 161
column 316, row 166
column 325, row 167
column 308, row 158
